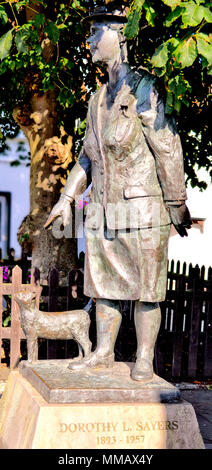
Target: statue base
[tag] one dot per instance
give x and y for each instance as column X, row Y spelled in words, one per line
column 58, row 384
column 96, row 409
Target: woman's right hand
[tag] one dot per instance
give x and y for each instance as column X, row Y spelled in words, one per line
column 61, row 209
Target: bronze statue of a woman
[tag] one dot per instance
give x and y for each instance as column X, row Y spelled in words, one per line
column 133, row 152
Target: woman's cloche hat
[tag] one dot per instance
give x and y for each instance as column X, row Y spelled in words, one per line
column 106, row 13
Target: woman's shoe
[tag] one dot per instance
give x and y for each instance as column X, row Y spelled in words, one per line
column 94, row 360
column 143, row 370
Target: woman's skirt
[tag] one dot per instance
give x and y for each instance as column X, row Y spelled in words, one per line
column 128, row 264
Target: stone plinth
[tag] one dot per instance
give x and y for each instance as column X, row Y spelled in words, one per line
column 28, row 421
column 58, row 384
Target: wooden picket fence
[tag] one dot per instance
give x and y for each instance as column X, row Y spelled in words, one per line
column 184, row 345
column 15, row 332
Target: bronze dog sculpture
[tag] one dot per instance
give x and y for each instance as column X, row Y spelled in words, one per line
column 72, row 324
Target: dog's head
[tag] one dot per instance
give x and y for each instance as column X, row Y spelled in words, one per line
column 25, row 299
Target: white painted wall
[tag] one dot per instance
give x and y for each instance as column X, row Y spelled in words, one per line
column 197, row 247
column 15, row 180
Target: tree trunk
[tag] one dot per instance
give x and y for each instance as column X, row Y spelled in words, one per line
column 50, row 157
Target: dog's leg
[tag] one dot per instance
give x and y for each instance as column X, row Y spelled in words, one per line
column 32, row 348
column 35, row 349
column 85, row 344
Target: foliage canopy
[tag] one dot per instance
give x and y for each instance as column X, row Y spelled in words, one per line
column 171, row 38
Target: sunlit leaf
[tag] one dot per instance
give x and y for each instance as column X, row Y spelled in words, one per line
column 5, row 44
column 204, row 46
column 192, row 14
column 172, row 3
column 186, row 52
column 208, row 14
column 150, row 13
column 160, row 56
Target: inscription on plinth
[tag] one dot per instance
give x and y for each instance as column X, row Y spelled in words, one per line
column 112, row 433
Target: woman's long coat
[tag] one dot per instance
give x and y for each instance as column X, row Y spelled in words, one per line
column 136, row 165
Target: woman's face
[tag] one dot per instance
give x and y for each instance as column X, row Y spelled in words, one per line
column 104, row 43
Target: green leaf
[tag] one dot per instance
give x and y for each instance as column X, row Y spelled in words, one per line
column 160, row 71
column 179, row 86
column 21, row 41
column 15, row 163
column 134, row 5
column 132, row 27
column 177, row 105
column 186, row 52
column 173, row 16
column 66, row 98
column 192, row 14
column 204, row 62
column 5, row 44
column 81, row 127
column 39, row 20
column 19, row 5
column 150, row 13
column 204, row 46
column 172, row 43
column 169, row 103
column 52, row 32
column 160, row 56
column 7, row 321
column 3, row 15
column 76, row 4
column 133, row 17
column 172, row 3
column 208, row 14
